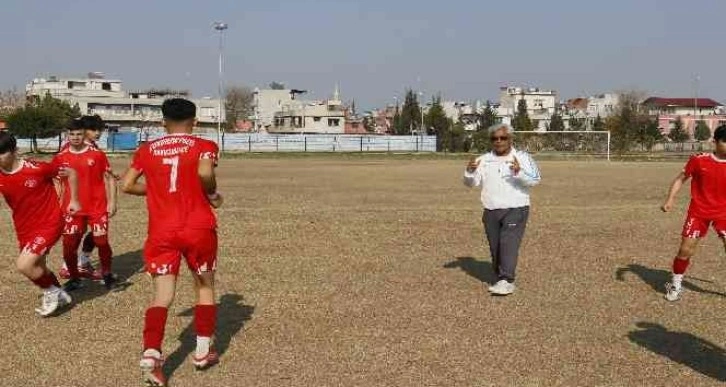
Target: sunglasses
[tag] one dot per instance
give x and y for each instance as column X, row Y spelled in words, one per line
column 499, row 138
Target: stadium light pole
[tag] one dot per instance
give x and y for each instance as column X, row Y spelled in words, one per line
column 695, row 101
column 220, row 27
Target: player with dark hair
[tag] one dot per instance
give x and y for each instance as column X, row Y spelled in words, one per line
column 29, row 190
column 93, row 127
column 181, row 189
column 707, row 207
column 97, row 194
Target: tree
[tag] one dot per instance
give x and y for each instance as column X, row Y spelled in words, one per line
column 41, row 118
column 398, row 127
column 487, row 118
column 238, row 105
column 437, row 121
column 455, row 139
column 577, row 124
column 410, row 113
column 277, row 86
column 625, row 124
column 678, row 133
column 702, row 132
column 556, row 123
column 598, row 124
column 521, row 121
column 10, row 100
column 649, row 134
column 480, row 139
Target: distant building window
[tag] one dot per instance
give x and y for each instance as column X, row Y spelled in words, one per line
column 106, row 86
column 208, row 112
column 76, row 85
column 316, row 119
column 333, row 122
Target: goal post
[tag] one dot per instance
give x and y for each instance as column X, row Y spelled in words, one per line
column 587, row 143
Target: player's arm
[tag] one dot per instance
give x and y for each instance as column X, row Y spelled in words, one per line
column 209, row 181
column 59, row 186
column 676, row 186
column 472, row 173
column 130, row 183
column 69, row 173
column 111, row 192
column 527, row 172
column 110, row 182
column 207, row 164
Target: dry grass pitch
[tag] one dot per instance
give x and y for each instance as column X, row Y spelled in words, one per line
column 368, row 272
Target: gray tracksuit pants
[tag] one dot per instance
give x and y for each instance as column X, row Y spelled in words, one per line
column 504, row 230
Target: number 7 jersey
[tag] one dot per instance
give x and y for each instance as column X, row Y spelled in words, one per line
column 175, row 197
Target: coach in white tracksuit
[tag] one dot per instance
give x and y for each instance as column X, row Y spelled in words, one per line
column 505, row 175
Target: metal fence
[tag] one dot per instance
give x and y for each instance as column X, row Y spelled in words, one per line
column 258, row 142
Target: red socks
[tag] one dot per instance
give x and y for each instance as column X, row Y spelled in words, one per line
column 205, row 320
column 680, row 265
column 70, row 253
column 104, row 253
column 46, row 280
column 154, row 326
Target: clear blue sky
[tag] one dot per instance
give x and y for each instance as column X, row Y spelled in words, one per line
column 375, row 48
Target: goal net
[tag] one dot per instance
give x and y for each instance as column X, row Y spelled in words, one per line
column 585, row 144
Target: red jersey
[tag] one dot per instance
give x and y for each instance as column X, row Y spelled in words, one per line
column 30, row 193
column 708, row 187
column 91, row 166
column 175, row 197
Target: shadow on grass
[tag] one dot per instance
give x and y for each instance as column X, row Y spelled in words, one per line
column 684, row 348
column 657, row 279
column 481, row 270
column 232, row 314
column 124, row 266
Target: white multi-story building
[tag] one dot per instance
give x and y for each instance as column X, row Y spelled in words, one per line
column 279, row 111
column 603, row 105
column 106, row 97
column 541, row 104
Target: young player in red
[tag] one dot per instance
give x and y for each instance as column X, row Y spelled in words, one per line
column 29, row 191
column 93, row 126
column 97, row 188
column 707, row 207
column 180, row 189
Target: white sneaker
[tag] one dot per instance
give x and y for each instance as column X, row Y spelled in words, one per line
column 52, row 300
column 151, row 368
column 502, row 288
column 673, row 293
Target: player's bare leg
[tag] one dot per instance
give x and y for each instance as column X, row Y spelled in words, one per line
column 33, row 267
column 686, row 251
column 154, row 326
column 205, row 320
column 85, row 267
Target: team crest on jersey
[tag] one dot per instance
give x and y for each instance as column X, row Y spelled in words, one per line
column 31, row 183
column 39, row 240
column 91, row 162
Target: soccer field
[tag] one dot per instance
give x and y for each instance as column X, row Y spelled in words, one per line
column 363, row 271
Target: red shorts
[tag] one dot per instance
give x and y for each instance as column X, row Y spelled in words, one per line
column 76, row 224
column 695, row 227
column 39, row 242
column 163, row 251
